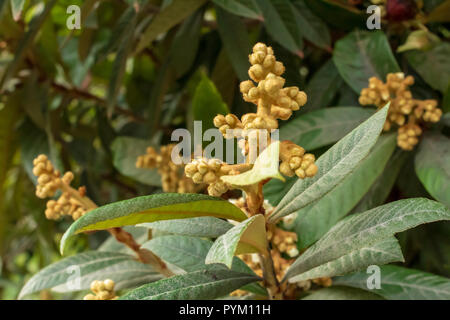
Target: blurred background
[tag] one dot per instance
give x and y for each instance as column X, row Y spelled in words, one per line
column 93, row 98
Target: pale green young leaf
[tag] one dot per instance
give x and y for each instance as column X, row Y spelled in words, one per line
column 61, row 276
column 334, row 165
column 248, row 236
column 16, row 8
column 209, row 283
column 399, row 283
column 265, row 167
column 359, row 230
column 152, row 208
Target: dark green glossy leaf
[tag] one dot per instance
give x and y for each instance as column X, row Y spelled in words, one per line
column 432, row 164
column 361, row 55
column 433, row 65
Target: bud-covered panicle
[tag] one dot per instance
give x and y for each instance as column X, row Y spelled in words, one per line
column 103, row 290
column 172, row 177
column 405, row 112
column 71, row 202
column 273, row 102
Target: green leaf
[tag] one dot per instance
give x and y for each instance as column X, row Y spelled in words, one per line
column 382, row 252
column 125, row 152
column 433, row 65
column 320, row 128
column 313, row 130
column 204, row 284
column 248, row 236
column 24, row 44
column 208, row 227
column 334, row 165
column 360, row 230
column 419, row 40
column 185, row 44
column 169, row 17
column 281, row 23
column 314, row 220
column 398, row 283
column 156, row 207
column 364, row 54
column 276, row 189
column 342, row 293
column 186, row 253
column 9, row 116
column 17, row 7
column 432, row 164
column 381, row 188
column 189, row 254
column 86, row 267
column 129, row 18
column 323, row 86
column 345, row 16
column 266, row 166
column 207, row 103
column 244, row 8
column 313, row 28
column 234, row 35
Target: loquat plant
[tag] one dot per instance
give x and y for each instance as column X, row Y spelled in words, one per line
column 323, row 150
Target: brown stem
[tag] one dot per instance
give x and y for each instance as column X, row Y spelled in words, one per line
column 270, row 278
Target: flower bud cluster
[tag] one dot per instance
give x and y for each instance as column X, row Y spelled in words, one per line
column 48, row 177
column 103, row 290
column 49, row 182
column 65, row 205
column 172, row 177
column 404, row 110
column 408, row 135
column 295, row 161
column 208, row 171
column 285, row 241
column 227, row 123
